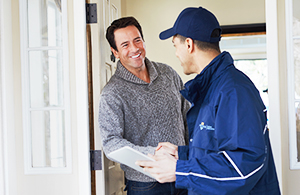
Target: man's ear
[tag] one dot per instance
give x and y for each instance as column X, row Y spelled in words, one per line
column 189, row 43
column 116, row 54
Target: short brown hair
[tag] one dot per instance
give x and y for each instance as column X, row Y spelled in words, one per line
column 121, row 23
column 204, row 46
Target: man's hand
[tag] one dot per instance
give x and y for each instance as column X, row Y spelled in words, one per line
column 167, row 147
column 162, row 169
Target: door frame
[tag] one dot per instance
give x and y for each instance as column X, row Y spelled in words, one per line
column 84, row 172
column 7, row 128
column 274, row 84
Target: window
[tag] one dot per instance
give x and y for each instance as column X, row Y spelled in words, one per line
column 293, row 67
column 249, row 54
column 45, row 86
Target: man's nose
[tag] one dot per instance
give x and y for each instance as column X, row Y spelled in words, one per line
column 134, row 48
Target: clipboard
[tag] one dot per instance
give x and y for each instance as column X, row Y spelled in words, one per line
column 128, row 156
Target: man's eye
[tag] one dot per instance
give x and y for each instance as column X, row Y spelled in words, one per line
column 124, row 45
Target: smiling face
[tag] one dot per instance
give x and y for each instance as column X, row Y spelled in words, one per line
column 131, row 48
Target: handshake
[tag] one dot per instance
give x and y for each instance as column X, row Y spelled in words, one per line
column 164, row 167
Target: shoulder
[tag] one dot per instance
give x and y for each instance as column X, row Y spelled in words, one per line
column 111, row 91
column 168, row 72
column 164, row 68
column 235, row 83
column 234, row 77
column 111, row 85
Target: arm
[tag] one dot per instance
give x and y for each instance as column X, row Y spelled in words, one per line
column 185, row 105
column 184, row 109
column 232, row 157
column 179, row 152
column 167, row 147
column 112, row 124
column 236, row 165
column 164, row 167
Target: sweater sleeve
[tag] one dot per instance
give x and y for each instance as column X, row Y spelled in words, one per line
column 111, row 125
column 184, row 109
column 230, row 157
column 185, row 105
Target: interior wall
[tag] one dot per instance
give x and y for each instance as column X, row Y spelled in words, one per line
column 156, row 16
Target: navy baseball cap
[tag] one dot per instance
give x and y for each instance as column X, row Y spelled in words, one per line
column 195, row 23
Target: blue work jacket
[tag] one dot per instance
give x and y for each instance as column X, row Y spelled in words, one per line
column 229, row 150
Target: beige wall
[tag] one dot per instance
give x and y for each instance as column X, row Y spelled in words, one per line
column 158, row 15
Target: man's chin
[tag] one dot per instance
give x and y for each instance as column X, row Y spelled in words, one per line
column 186, row 72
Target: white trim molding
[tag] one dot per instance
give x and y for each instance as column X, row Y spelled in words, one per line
column 2, row 168
column 294, row 161
column 7, row 128
column 273, row 89
column 84, row 176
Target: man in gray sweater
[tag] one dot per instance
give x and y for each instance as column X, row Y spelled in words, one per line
column 141, row 105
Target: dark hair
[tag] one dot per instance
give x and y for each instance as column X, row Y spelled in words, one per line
column 121, row 23
column 204, row 46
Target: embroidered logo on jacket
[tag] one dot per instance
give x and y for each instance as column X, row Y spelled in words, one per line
column 207, row 127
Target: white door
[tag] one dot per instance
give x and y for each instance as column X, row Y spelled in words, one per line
column 39, row 117
column 109, row 180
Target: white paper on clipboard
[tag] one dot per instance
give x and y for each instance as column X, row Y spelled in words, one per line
column 128, row 156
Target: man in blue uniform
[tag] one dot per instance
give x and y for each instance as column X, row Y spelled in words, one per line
column 229, row 150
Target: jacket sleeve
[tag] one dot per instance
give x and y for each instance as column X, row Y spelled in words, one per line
column 230, row 157
column 183, row 152
column 111, row 125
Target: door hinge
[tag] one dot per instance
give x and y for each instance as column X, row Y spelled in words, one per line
column 91, row 13
column 96, row 160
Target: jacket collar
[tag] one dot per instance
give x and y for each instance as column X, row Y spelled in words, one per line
column 127, row 75
column 197, row 87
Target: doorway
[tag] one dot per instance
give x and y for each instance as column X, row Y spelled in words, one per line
column 108, row 178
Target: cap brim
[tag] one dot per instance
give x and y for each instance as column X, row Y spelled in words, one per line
column 167, row 34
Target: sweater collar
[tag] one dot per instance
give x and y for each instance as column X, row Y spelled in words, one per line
column 127, row 75
column 198, row 86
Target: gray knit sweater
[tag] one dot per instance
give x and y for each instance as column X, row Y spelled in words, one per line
column 138, row 114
